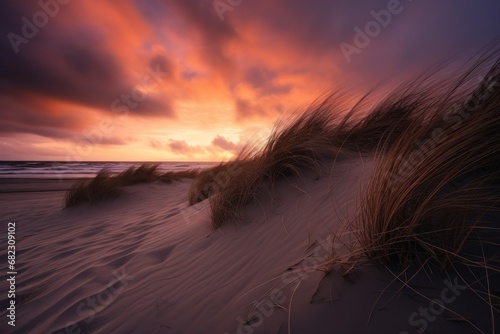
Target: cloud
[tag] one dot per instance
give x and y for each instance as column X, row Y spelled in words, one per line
column 95, row 138
column 156, row 144
column 28, row 150
column 183, row 148
column 246, row 109
column 75, row 70
column 262, row 80
column 26, row 115
column 225, row 144
column 217, row 146
column 75, row 65
column 180, row 147
column 212, row 35
column 92, row 58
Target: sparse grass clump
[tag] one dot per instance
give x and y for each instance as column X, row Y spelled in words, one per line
column 103, row 186
column 143, row 174
column 106, row 185
column 290, row 150
column 209, row 181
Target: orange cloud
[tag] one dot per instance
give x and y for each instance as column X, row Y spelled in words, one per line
column 217, row 81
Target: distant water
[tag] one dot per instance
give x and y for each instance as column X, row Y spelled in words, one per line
column 64, row 170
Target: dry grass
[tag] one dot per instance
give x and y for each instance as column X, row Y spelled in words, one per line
column 432, row 188
column 432, row 207
column 106, row 185
column 103, row 186
column 209, row 181
column 143, row 174
column 290, row 150
column 433, row 201
column 433, row 198
column 307, row 142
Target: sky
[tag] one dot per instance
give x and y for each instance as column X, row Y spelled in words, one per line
column 194, row 80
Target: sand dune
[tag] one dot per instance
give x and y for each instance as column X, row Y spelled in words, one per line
column 148, row 263
column 176, row 273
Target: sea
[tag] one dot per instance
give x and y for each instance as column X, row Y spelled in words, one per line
column 88, row 169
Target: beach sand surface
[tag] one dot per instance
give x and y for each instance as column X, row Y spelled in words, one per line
column 147, row 262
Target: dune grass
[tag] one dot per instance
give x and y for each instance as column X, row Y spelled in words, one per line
column 105, row 185
column 434, row 195
column 133, row 175
column 436, row 143
column 289, row 152
column 209, row 181
column 433, row 189
column 308, row 142
column 432, row 204
column 102, row 186
column 432, row 199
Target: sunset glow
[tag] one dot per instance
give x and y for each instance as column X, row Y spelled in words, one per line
column 193, row 81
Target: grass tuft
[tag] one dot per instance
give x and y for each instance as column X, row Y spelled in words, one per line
column 103, row 186
column 106, row 185
column 433, row 189
column 306, row 142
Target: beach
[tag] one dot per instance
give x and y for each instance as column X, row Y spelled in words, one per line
column 249, row 167
column 147, row 262
column 381, row 217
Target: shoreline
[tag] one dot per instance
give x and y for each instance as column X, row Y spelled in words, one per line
column 26, row 185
